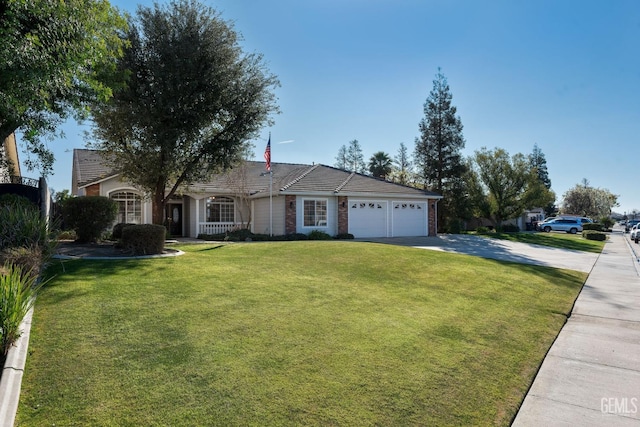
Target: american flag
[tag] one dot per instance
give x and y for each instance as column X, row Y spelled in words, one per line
column 267, row 154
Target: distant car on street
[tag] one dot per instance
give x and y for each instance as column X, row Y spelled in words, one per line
column 569, row 225
column 629, row 225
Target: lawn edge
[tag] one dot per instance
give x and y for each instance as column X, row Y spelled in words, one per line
column 12, row 373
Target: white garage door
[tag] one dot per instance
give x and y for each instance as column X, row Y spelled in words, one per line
column 368, row 218
column 409, row 219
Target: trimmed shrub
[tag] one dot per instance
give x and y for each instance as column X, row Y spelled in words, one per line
column 594, row 235
column 296, row 236
column 144, row 239
column 510, row 228
column 318, row 235
column 482, row 230
column 454, row 226
column 344, row 236
column 239, row 235
column 89, row 216
column 607, row 222
column 592, row 226
column 116, row 233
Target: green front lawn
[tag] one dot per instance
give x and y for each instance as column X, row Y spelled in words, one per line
column 554, row 239
column 292, row 333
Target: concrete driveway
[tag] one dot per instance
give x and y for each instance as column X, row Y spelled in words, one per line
column 503, row 250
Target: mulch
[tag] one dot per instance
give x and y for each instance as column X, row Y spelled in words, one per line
column 89, row 250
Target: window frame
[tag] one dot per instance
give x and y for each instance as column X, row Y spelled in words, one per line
column 317, row 218
column 223, row 203
column 131, row 199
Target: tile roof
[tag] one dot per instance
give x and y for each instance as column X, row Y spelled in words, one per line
column 288, row 178
column 89, row 166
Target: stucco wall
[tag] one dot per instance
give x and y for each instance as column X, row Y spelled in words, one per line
column 261, row 216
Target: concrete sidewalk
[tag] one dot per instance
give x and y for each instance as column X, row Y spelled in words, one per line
column 591, row 375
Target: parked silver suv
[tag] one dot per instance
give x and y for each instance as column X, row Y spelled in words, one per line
column 570, row 225
column 580, row 219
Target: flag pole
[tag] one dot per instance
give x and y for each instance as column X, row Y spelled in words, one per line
column 267, row 158
column 270, row 203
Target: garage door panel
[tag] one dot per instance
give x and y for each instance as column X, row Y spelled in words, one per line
column 368, row 218
column 409, row 219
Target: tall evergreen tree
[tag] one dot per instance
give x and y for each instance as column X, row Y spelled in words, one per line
column 341, row 158
column 402, row 166
column 437, row 154
column 538, row 161
column 355, row 158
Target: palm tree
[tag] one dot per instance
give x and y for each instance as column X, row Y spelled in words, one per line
column 380, row 165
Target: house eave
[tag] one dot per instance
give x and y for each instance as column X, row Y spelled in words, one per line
column 98, row 181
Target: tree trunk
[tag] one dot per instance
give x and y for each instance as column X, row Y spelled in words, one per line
column 158, row 206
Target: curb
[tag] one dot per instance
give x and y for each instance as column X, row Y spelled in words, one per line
column 12, row 372
column 176, row 252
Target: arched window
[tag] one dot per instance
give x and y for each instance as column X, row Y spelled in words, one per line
column 220, row 209
column 129, row 206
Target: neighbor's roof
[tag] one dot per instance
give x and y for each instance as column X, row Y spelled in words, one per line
column 89, row 167
column 251, row 178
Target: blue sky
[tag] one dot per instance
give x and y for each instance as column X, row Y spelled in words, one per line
column 562, row 74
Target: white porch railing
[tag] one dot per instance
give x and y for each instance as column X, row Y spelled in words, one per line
column 217, row 227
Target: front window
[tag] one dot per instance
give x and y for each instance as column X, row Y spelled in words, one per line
column 220, row 209
column 315, row 213
column 129, row 207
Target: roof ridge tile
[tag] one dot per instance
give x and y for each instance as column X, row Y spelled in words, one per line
column 346, row 181
column 305, row 173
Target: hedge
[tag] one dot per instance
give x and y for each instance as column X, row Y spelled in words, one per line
column 144, row 239
column 594, row 235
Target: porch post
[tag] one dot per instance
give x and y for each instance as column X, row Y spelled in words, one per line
column 197, row 218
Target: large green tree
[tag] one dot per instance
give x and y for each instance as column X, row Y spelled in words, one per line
column 56, row 60
column 585, row 200
column 191, row 103
column 512, row 184
column 437, row 156
column 380, row 165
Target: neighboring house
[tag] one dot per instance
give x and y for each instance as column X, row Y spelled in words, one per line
column 302, row 198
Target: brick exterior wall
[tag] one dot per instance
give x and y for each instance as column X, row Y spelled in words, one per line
column 92, row 190
column 290, row 215
column 432, row 220
column 343, row 215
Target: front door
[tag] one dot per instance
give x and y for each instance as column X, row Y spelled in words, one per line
column 174, row 219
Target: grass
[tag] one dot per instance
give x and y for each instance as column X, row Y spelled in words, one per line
column 557, row 240
column 297, row 333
